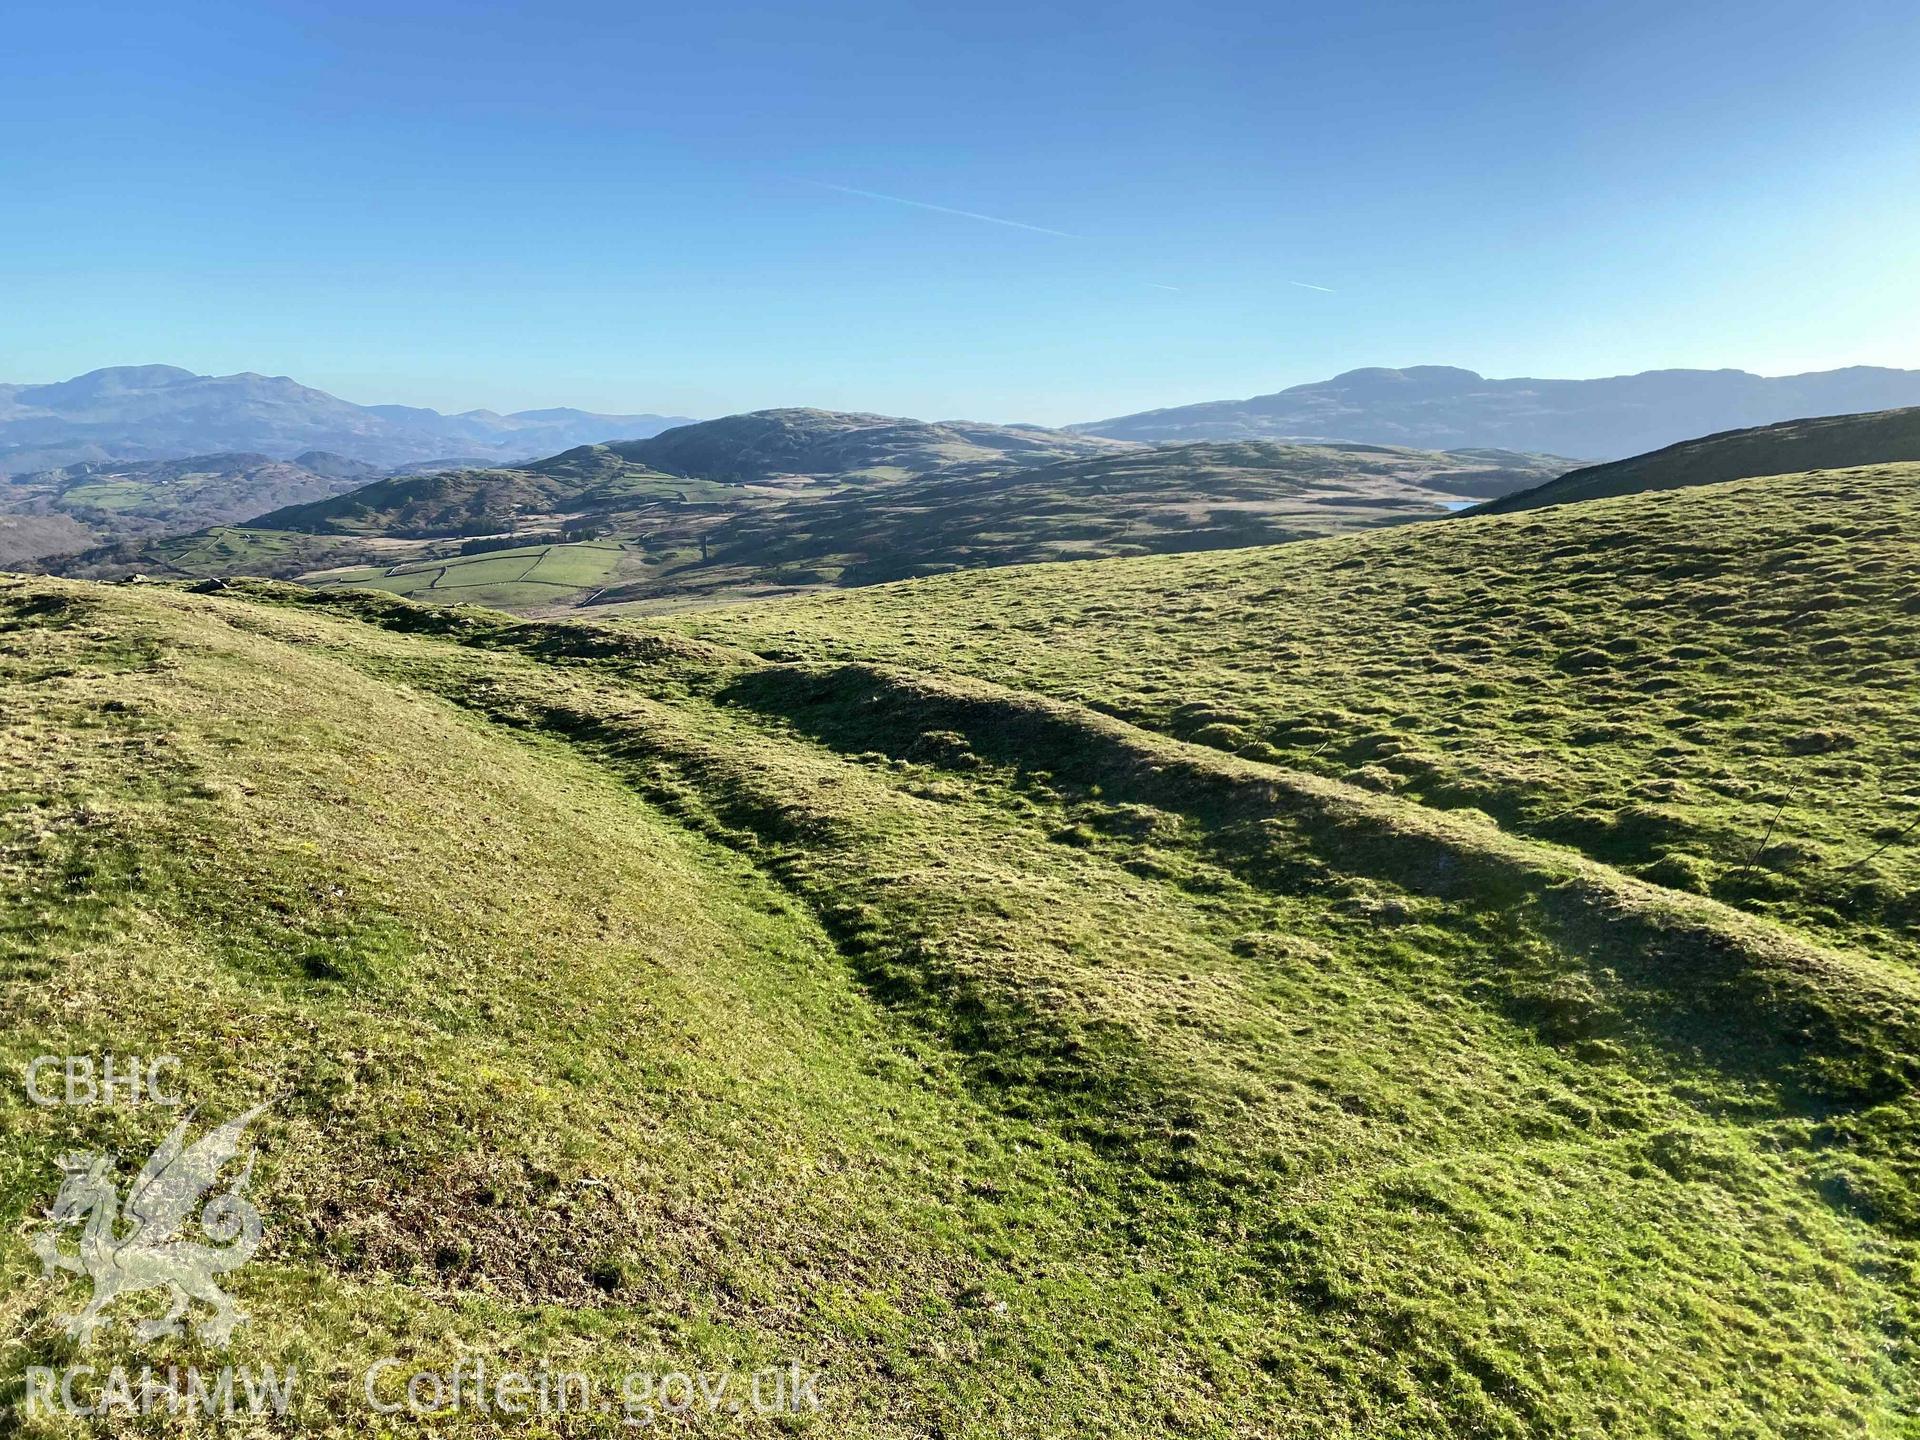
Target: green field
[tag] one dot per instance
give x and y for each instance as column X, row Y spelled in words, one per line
column 1407, row 984
column 122, row 495
column 240, row 550
column 532, row 577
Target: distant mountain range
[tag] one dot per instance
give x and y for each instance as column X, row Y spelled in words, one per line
column 153, row 412
column 1439, row 407
column 161, row 412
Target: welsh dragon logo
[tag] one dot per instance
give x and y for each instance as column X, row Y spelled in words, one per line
column 143, row 1248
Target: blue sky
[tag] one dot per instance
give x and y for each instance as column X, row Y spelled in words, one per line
column 631, row 207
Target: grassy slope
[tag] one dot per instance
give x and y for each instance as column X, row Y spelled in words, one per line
column 1829, row 443
column 1714, row 688
column 627, row 998
column 551, row 1072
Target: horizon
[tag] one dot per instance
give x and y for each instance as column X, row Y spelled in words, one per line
column 1050, row 216
column 941, row 416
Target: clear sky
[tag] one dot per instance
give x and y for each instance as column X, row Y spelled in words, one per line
column 1118, row 205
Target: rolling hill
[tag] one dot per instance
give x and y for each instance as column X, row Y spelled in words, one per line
column 1451, row 980
column 1832, row 442
column 601, row 525
column 150, row 412
column 768, row 443
column 1440, row 407
column 483, row 502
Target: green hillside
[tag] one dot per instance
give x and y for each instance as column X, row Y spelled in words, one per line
column 1832, row 442
column 1138, row 998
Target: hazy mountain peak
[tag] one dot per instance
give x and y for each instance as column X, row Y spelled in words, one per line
column 1444, row 407
column 1429, row 375
column 109, row 380
column 141, row 412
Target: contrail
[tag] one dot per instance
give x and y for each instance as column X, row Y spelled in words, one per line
column 1323, row 289
column 947, row 210
column 1158, row 286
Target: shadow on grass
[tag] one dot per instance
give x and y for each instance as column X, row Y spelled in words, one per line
column 1714, row 987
